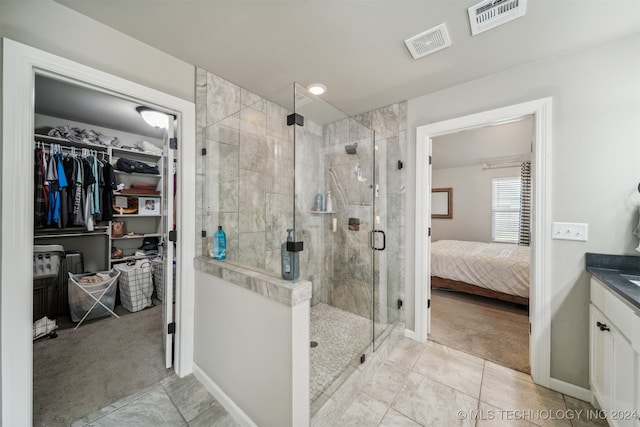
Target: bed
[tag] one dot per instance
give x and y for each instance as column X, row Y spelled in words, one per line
column 495, row 270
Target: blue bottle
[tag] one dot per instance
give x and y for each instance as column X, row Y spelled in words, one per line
column 219, row 244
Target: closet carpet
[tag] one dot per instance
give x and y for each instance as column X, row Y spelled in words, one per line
column 84, row 370
column 487, row 328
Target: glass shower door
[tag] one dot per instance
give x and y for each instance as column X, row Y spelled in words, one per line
column 384, row 306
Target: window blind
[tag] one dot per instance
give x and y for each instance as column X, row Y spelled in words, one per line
column 505, row 210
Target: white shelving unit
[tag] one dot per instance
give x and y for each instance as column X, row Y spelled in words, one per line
column 149, row 224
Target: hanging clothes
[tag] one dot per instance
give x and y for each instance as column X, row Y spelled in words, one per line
column 71, row 190
column 63, row 215
column 93, row 187
column 54, row 201
column 110, row 186
column 77, row 214
column 40, row 197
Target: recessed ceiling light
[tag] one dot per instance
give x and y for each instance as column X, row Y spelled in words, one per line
column 317, row 88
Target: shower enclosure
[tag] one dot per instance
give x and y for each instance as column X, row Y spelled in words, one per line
column 265, row 161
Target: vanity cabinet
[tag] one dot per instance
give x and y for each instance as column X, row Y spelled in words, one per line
column 614, row 356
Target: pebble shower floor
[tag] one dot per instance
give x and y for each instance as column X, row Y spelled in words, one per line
column 342, row 337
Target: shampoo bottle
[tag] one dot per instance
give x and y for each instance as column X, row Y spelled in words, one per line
column 319, row 205
column 328, row 202
column 219, row 244
column 290, row 260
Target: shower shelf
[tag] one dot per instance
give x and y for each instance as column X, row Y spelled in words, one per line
column 322, row 212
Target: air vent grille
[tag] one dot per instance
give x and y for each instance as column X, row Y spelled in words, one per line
column 428, row 42
column 489, row 14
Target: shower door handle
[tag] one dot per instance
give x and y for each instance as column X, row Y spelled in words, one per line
column 372, row 240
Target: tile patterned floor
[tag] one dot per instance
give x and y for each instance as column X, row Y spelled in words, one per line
column 173, row 402
column 432, row 385
column 420, row 384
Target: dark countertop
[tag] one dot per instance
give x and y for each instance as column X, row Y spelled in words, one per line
column 609, row 269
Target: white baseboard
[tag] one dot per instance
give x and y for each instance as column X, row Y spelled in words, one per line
column 410, row 334
column 234, row 410
column 570, row 389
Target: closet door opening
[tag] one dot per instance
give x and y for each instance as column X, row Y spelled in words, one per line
column 104, row 263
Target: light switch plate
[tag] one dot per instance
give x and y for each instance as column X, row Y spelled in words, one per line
column 570, row 231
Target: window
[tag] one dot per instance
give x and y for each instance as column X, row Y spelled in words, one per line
column 505, row 210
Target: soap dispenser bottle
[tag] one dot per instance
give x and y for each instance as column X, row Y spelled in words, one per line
column 290, row 260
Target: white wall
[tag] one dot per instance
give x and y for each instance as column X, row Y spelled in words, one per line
column 255, row 349
column 54, row 28
column 595, row 169
column 471, row 202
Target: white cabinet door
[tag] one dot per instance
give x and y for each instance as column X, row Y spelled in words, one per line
column 622, row 386
column 601, row 343
column 637, row 381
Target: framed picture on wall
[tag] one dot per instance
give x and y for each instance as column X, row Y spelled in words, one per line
column 149, row 205
column 442, row 203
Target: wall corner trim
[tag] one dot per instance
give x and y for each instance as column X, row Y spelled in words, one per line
column 232, row 408
column 570, row 389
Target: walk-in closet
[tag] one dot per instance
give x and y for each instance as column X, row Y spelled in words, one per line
column 103, row 248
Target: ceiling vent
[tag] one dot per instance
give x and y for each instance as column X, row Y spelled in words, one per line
column 430, row 41
column 489, row 14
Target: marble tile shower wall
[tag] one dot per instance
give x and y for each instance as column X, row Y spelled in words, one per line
column 347, row 261
column 245, row 177
column 245, row 182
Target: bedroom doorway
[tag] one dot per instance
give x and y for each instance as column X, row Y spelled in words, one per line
column 539, row 293
column 480, row 249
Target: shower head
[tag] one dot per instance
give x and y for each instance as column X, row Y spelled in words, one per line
column 351, row 148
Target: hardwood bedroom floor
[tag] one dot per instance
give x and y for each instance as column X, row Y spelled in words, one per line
column 493, row 330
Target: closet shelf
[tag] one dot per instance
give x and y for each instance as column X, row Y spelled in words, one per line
column 137, row 174
column 138, row 194
column 80, row 234
column 131, row 257
column 136, row 215
column 68, row 143
column 137, row 236
column 119, row 152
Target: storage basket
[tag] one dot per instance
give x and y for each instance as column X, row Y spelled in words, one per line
column 46, row 260
column 136, row 285
column 80, row 302
column 157, row 266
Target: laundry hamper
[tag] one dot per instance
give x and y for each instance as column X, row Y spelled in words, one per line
column 136, row 285
column 157, row 266
column 92, row 300
column 47, row 279
column 46, row 260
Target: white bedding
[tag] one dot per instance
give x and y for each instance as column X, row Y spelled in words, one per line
column 501, row 267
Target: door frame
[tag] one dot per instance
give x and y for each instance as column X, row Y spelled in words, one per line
column 20, row 64
column 540, row 289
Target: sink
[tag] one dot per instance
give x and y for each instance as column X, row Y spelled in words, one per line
column 632, row 278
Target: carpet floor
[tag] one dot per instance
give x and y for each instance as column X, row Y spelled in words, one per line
column 84, row 370
column 487, row 328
